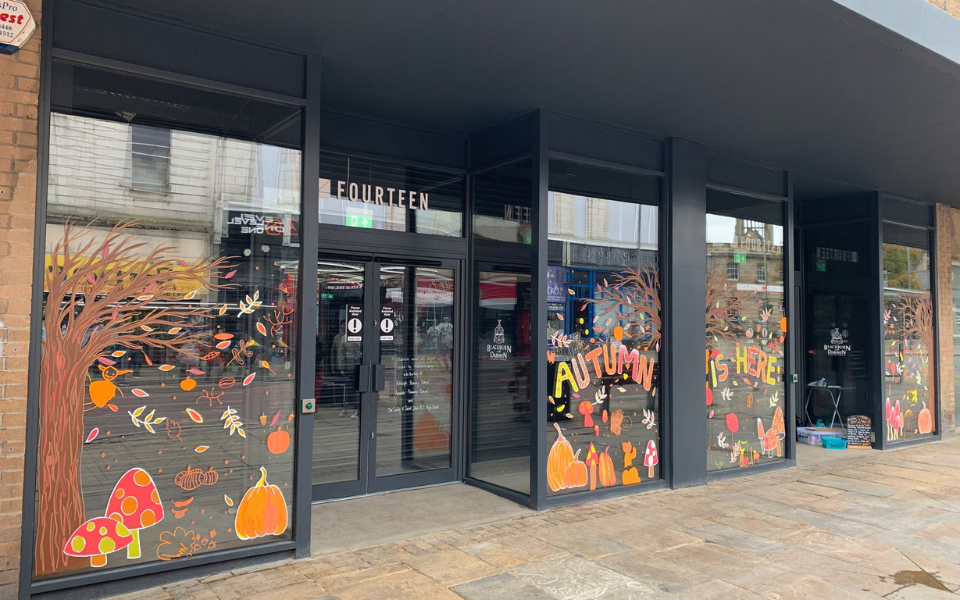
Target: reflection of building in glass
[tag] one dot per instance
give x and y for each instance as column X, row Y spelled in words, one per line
column 753, row 259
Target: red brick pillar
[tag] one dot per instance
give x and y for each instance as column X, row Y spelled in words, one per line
column 948, row 252
column 19, row 85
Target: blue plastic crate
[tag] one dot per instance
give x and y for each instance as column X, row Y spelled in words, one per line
column 834, row 443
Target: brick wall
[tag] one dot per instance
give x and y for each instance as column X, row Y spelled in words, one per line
column 19, row 85
column 948, row 252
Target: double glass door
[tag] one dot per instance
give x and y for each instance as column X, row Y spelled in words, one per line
column 385, row 374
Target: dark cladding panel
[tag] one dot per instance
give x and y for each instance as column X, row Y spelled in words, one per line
column 907, row 212
column 159, row 44
column 502, row 142
column 353, row 135
column 831, row 210
column 600, row 142
column 749, row 177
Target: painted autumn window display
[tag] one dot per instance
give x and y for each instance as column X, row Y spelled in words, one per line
column 746, row 332
column 603, row 363
column 908, row 342
column 167, row 387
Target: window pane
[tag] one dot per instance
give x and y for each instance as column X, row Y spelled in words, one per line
column 745, row 333
column 369, row 194
column 168, row 372
column 603, row 325
column 501, row 204
column 908, row 340
column 150, row 158
column 500, row 404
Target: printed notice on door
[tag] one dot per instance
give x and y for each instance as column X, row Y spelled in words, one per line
column 354, row 323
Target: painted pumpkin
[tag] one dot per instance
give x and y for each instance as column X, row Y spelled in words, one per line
column 428, row 437
column 263, row 511
column 558, row 461
column 608, row 475
column 188, row 384
column 278, row 441
column 925, row 420
column 576, row 475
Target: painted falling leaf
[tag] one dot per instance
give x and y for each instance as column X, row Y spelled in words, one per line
column 93, row 434
column 249, row 379
column 194, row 415
column 165, row 367
column 139, row 393
column 261, row 328
column 275, row 418
column 118, row 353
column 190, row 295
column 223, row 310
column 228, row 500
column 200, row 449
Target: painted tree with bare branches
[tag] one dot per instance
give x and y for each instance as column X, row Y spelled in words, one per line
column 721, row 301
column 634, row 297
column 99, row 294
column 917, row 318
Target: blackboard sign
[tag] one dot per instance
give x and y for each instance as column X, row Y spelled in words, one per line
column 858, row 432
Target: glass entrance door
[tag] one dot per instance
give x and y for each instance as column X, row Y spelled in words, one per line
column 385, row 377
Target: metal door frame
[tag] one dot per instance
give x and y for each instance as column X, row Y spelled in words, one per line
column 359, row 251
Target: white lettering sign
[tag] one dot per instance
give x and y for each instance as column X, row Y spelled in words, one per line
column 373, row 194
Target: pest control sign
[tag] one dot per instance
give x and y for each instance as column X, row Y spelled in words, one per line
column 354, row 323
column 16, row 25
column 386, row 324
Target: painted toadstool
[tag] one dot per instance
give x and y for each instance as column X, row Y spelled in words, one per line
column 97, row 538
column 651, row 458
column 135, row 502
column 586, row 409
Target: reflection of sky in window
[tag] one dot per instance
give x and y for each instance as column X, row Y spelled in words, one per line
column 720, row 230
column 269, row 172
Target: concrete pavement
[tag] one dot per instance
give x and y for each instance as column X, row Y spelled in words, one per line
column 863, row 525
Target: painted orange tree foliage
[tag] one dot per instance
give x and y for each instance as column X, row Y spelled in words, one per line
column 634, row 297
column 99, row 290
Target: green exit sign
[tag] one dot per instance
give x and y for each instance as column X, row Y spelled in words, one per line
column 822, row 266
column 363, row 221
column 326, row 296
column 739, row 258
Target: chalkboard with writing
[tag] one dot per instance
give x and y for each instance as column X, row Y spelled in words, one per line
column 858, row 432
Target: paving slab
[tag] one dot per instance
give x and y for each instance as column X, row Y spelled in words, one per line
column 500, row 587
column 576, row 578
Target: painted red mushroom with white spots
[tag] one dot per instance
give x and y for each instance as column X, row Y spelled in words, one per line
column 135, row 503
column 97, row 538
column 651, row 458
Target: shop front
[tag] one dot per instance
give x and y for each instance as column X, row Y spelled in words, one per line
column 251, row 301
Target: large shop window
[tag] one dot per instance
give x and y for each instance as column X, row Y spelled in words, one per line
column 167, row 381
column 603, row 327
column 499, row 427
column 746, row 329
column 908, row 334
column 369, row 194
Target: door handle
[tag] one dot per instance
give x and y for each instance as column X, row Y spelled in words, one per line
column 362, row 378
column 379, row 378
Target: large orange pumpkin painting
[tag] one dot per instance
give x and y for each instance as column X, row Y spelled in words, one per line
column 925, row 420
column 428, row 437
column 263, row 511
column 558, row 461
